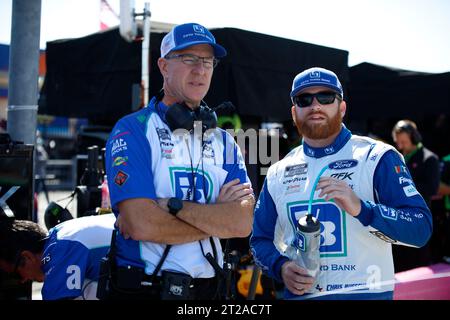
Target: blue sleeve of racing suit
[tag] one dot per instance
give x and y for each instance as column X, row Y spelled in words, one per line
column 400, row 211
column 128, row 162
column 264, row 251
column 233, row 162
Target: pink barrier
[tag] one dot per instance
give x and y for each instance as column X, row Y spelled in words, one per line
column 424, row 283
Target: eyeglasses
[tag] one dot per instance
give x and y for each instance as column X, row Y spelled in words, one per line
column 193, row 60
column 306, row 99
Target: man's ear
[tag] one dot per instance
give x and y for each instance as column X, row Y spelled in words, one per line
column 162, row 64
column 29, row 256
column 293, row 115
column 343, row 108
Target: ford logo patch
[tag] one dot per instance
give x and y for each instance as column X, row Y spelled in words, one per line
column 343, row 164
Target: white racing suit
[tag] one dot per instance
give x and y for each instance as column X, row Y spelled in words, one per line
column 356, row 258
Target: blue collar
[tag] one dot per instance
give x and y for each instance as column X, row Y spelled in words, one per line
column 159, row 108
column 333, row 148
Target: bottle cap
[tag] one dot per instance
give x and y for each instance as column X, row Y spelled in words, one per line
column 308, row 224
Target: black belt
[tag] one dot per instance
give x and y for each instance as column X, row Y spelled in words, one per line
column 197, row 282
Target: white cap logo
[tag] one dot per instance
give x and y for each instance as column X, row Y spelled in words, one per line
column 198, row 28
column 314, row 74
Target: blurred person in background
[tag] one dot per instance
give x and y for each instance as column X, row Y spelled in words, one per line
column 424, row 167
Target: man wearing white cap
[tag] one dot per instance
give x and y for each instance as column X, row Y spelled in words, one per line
column 178, row 182
column 358, row 188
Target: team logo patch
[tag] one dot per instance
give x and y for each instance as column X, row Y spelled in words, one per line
column 191, row 185
column 208, row 151
column 120, row 178
column 118, row 145
column 410, row 190
column 163, row 133
column 297, row 169
column 119, row 161
column 343, row 164
column 343, row 175
column 198, row 28
column 388, row 213
column 166, row 143
column 403, row 180
column 400, row 169
column 314, row 74
column 333, row 235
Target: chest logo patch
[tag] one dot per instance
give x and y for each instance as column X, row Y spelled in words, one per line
column 343, row 164
column 187, row 185
column 333, row 235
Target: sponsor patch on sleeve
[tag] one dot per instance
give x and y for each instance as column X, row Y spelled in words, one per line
column 400, row 169
column 410, row 190
column 120, row 178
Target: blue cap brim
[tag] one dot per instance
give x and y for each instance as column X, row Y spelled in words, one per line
column 309, row 85
column 219, row 51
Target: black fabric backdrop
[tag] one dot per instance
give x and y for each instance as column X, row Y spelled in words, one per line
column 93, row 76
column 381, row 92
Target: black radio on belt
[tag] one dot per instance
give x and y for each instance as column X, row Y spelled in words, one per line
column 176, row 286
column 129, row 277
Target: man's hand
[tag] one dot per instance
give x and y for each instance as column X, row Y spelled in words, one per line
column 295, row 278
column 340, row 191
column 120, row 226
column 233, row 191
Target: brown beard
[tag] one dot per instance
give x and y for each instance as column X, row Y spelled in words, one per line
column 320, row 131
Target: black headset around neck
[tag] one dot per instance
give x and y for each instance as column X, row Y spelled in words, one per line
column 180, row 116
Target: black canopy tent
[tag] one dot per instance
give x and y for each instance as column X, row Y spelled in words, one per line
column 379, row 96
column 387, row 92
column 94, row 76
column 91, row 77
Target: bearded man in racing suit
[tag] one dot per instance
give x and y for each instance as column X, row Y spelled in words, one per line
column 365, row 202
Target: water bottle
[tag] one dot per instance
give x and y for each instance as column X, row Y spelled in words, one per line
column 308, row 237
column 106, row 202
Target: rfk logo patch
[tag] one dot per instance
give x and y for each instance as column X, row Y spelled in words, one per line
column 121, row 178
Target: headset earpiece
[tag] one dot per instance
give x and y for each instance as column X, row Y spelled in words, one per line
column 207, row 116
column 409, row 128
column 180, row 116
column 55, row 214
column 416, row 137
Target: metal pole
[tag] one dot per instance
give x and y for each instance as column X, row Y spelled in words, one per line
column 145, row 53
column 24, row 70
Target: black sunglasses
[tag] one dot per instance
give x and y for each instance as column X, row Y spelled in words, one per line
column 306, row 99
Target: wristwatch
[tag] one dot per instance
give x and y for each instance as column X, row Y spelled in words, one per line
column 174, row 205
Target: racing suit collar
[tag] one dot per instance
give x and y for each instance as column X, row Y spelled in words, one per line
column 333, row 148
column 159, row 108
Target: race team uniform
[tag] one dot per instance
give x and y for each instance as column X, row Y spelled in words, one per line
column 72, row 254
column 355, row 252
column 145, row 160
